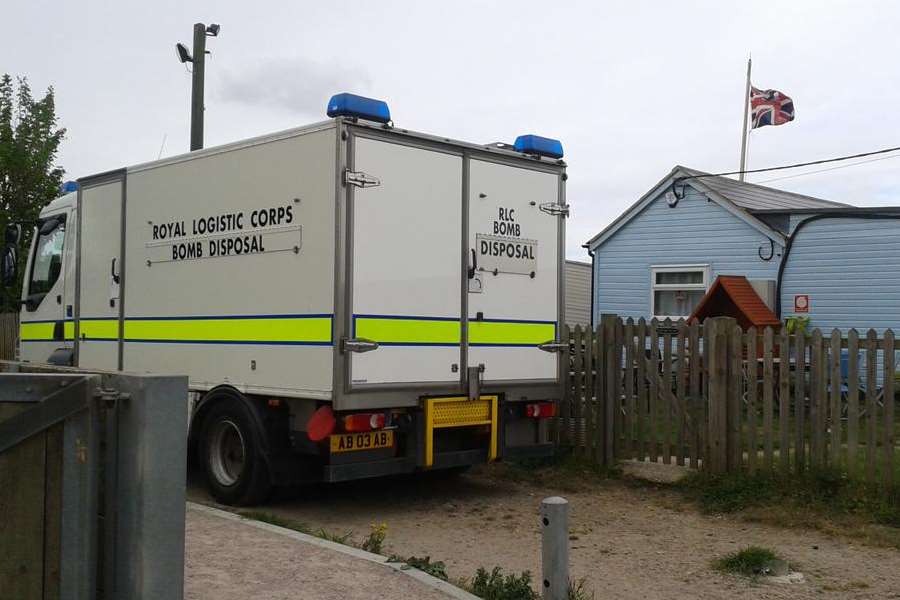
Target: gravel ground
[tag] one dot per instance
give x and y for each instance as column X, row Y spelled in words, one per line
column 629, row 542
column 226, row 560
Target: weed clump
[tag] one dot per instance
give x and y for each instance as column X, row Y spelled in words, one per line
column 749, row 562
column 494, row 586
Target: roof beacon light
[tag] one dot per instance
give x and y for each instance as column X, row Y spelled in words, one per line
column 541, row 146
column 68, row 187
column 351, row 105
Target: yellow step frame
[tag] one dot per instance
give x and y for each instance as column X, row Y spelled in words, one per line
column 459, row 411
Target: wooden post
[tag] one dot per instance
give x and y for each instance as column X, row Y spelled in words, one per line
column 555, row 548
column 752, row 388
column 611, row 367
column 871, row 404
column 696, row 410
column 587, row 411
column 666, row 392
column 888, row 389
column 834, row 456
column 784, row 400
column 640, row 354
column 852, row 400
column 718, row 332
column 681, row 396
column 630, row 447
column 653, row 403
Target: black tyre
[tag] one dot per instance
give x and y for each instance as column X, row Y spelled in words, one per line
column 236, row 472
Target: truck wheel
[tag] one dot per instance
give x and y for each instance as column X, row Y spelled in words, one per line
column 236, row 471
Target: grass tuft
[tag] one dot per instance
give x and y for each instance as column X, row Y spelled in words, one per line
column 273, row 519
column 494, row 586
column 749, row 562
column 435, row 569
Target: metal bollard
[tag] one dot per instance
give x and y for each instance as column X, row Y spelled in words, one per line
column 555, row 547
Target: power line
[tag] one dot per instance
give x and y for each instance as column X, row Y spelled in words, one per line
column 793, row 166
column 862, row 162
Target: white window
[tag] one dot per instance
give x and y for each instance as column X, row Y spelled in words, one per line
column 675, row 290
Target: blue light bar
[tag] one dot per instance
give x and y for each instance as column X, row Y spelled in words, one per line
column 68, row 187
column 351, row 105
column 535, row 144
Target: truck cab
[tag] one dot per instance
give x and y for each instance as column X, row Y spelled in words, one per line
column 48, row 291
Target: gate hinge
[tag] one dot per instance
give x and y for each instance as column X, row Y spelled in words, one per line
column 110, row 396
column 358, row 345
column 552, row 346
column 554, row 209
column 360, row 179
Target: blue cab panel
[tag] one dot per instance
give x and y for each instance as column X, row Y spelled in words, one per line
column 68, row 187
column 535, row 144
column 351, row 105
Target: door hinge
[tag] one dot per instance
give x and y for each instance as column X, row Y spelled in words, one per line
column 358, row 345
column 553, row 346
column 360, row 179
column 554, row 209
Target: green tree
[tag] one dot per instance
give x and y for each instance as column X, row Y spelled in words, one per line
column 29, row 179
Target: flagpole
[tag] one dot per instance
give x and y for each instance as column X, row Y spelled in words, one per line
column 744, row 122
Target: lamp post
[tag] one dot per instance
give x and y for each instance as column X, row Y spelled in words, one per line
column 197, row 57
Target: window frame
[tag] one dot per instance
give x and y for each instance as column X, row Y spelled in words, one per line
column 31, row 303
column 655, row 287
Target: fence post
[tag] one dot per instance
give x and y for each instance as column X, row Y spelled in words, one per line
column 555, row 547
column 609, row 392
column 717, row 333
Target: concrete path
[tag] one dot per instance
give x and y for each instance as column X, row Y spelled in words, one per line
column 231, row 558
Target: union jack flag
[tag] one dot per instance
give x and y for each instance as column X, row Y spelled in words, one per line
column 770, row 107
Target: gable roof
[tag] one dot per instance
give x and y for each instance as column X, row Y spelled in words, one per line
column 739, row 198
column 753, row 197
column 733, row 296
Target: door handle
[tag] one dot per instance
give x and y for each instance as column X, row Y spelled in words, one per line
column 115, row 277
column 474, row 266
column 552, row 346
column 358, row 345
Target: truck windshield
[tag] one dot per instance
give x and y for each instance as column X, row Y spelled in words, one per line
column 47, row 262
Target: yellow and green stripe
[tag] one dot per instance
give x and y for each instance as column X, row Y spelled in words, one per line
column 402, row 330
column 262, row 330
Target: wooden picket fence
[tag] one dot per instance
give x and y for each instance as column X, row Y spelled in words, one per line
column 9, row 334
column 715, row 397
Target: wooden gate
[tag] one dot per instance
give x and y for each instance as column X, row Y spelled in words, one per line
column 716, row 397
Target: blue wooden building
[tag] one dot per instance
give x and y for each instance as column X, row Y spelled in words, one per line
column 836, row 264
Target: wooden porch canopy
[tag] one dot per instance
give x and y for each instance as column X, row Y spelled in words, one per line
column 733, row 296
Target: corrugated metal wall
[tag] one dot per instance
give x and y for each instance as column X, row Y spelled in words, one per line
column 696, row 231
column 578, row 293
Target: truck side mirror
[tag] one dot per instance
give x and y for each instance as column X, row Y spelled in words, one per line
column 9, row 266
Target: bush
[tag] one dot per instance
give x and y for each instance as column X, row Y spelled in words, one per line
column 494, row 586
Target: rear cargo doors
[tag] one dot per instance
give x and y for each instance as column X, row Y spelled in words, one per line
column 406, row 264
column 513, row 301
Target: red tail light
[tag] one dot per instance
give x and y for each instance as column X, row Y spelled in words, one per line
column 363, row 422
column 541, row 410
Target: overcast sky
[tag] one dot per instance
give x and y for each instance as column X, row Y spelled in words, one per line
column 631, row 89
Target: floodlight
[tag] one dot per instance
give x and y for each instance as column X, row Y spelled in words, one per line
column 213, row 29
column 183, row 53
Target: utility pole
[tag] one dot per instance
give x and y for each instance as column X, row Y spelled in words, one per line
column 197, row 57
column 197, row 76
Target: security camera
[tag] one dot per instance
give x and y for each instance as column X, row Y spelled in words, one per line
column 183, row 53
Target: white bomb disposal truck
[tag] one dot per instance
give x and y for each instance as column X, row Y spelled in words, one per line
column 349, row 299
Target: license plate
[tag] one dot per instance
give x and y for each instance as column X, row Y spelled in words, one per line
column 370, row 440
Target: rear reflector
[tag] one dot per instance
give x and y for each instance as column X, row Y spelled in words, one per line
column 363, row 422
column 541, row 410
column 321, row 424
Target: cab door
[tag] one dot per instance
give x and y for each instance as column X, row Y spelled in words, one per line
column 406, row 271
column 513, row 299
column 44, row 328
